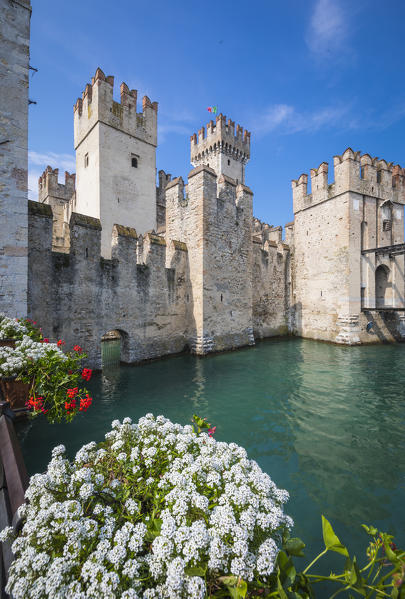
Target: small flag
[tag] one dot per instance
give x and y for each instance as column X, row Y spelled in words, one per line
column 212, row 109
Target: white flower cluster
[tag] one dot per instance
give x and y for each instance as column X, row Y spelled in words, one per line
column 13, row 361
column 10, row 327
column 176, row 513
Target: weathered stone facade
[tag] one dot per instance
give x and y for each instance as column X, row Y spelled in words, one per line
column 337, row 287
column 186, row 265
column 14, row 69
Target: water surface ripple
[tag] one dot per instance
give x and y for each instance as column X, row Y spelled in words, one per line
column 326, row 422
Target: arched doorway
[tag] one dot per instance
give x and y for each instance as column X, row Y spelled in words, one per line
column 111, row 349
column 382, row 286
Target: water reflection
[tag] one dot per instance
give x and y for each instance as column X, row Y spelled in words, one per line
column 326, row 422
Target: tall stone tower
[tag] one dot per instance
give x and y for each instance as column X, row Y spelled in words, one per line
column 14, row 69
column 115, row 158
column 221, row 149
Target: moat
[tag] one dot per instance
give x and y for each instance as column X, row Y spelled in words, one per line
column 326, row 422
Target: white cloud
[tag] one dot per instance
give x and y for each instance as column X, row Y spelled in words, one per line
column 165, row 129
column 328, row 28
column 62, row 161
column 287, row 119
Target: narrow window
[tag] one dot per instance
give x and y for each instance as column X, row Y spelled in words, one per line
column 229, row 162
column 378, row 176
column 87, row 252
column 86, row 160
column 221, row 297
column 134, row 162
column 362, row 172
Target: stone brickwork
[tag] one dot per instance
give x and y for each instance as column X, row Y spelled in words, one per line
column 333, row 282
column 14, row 69
column 61, row 198
column 220, row 148
column 115, row 157
column 142, row 291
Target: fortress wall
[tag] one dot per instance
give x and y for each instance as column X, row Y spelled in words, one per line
column 80, row 296
column 227, row 265
column 14, row 69
column 320, row 268
column 271, row 289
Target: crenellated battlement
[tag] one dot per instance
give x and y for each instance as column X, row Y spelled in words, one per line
column 98, row 105
column 353, row 171
column 48, row 185
column 220, row 137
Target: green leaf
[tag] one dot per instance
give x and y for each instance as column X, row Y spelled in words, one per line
column 330, row 539
column 295, row 547
column 195, row 571
column 287, row 569
column 370, row 530
column 237, row 588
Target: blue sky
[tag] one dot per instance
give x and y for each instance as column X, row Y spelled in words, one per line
column 308, row 77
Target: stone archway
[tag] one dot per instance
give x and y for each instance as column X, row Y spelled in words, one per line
column 114, row 347
column 382, row 286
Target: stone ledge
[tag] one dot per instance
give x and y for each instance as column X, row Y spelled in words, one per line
column 126, row 231
column 175, row 182
column 81, row 220
column 156, row 239
column 180, row 245
column 39, row 209
column 200, row 169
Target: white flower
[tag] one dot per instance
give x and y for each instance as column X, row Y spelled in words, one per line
column 217, row 509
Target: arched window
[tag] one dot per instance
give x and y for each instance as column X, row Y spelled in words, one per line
column 382, row 286
column 134, row 162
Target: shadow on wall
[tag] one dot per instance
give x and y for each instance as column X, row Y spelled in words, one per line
column 377, row 320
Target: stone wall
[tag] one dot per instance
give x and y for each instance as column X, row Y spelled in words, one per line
column 14, row 69
column 115, row 158
column 271, row 280
column 333, row 282
column 142, row 291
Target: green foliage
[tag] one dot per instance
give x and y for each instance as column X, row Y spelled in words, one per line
column 383, row 575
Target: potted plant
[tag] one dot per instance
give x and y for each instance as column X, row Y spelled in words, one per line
column 37, row 376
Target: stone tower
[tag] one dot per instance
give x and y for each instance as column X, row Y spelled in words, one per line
column 221, row 149
column 14, row 69
column 61, row 198
column 348, row 259
column 115, row 158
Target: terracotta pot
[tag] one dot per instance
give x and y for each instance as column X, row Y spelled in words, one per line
column 7, row 343
column 15, row 392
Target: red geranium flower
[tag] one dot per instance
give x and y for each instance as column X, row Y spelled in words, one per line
column 60, row 343
column 72, row 392
column 85, row 403
column 77, row 348
column 86, row 374
column 45, row 340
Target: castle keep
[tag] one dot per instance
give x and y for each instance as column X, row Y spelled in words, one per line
column 185, row 264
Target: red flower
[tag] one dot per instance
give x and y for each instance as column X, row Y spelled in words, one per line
column 34, row 322
column 70, row 406
column 45, row 340
column 211, row 431
column 60, row 343
column 70, row 371
column 77, row 348
column 72, row 392
column 37, row 404
column 85, row 403
column 86, row 374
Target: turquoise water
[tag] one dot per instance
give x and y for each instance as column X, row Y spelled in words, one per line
column 326, row 422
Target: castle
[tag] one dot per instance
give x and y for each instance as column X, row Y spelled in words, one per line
column 185, row 264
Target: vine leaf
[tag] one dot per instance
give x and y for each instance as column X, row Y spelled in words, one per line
column 331, row 541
